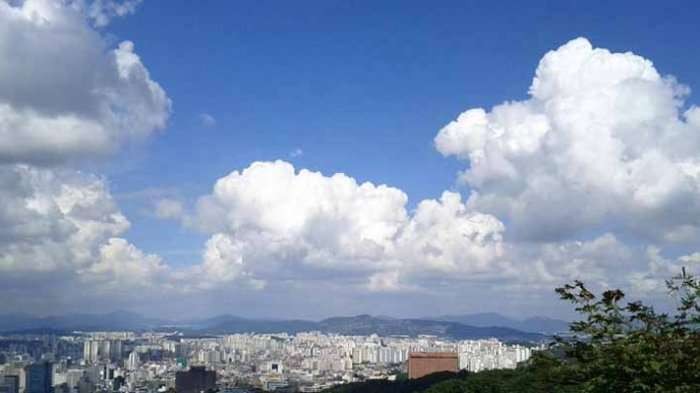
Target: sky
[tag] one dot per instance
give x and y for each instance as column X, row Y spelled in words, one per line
column 320, row 158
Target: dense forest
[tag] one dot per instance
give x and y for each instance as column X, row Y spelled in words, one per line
column 616, row 347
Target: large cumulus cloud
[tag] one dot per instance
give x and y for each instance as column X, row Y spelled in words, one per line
column 270, row 221
column 62, row 226
column 65, row 94
column 596, row 174
column 603, row 143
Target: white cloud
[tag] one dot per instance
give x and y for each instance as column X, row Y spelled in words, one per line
column 270, row 221
column 270, row 212
column 385, row 281
column 298, row 152
column 169, row 209
column 604, row 149
column 447, row 237
column 207, row 120
column 603, row 143
column 64, row 94
column 120, row 265
column 102, row 11
column 64, row 222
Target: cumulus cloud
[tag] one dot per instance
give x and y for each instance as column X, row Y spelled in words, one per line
column 169, row 209
column 596, row 174
column 121, row 265
column 66, row 223
column 64, row 93
column 270, row 212
column 604, row 143
column 270, row 220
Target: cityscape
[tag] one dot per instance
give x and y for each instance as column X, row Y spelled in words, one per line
column 152, row 362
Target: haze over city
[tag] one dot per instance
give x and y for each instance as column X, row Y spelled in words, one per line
column 313, row 159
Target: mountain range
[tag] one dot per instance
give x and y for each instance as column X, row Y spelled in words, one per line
column 118, row 320
column 473, row 326
column 542, row 325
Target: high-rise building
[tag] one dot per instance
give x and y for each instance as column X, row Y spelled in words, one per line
column 95, row 351
column 196, row 380
column 9, row 384
column 421, row 364
column 134, row 361
column 39, row 378
column 91, row 351
column 20, row 374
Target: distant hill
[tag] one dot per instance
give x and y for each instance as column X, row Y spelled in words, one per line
column 229, row 324
column 366, row 324
column 542, row 325
column 118, row 320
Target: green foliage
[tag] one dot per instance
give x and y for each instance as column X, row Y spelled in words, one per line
column 402, row 377
column 629, row 347
column 451, row 386
column 399, row 386
column 522, row 380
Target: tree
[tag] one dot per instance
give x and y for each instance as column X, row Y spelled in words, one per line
column 630, row 347
column 451, row 386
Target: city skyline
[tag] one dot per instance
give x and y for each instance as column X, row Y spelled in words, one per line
column 143, row 362
column 337, row 158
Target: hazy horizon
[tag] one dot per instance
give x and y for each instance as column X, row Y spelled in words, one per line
column 183, row 319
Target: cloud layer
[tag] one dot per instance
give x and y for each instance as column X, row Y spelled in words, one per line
column 595, row 176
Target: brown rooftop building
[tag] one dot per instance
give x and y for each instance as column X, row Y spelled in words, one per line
column 421, row 364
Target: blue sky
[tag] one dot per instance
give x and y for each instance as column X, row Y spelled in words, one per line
column 361, row 87
column 506, row 155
